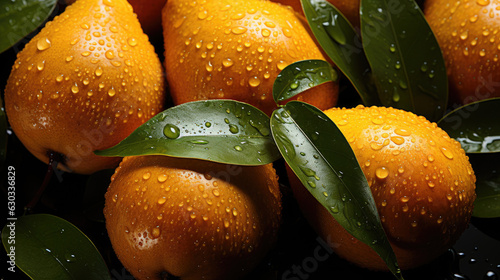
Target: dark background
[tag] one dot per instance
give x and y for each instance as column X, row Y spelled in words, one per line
column 476, row 256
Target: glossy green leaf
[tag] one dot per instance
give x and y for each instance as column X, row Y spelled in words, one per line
column 487, row 170
column 20, row 18
column 342, row 44
column 47, row 247
column 3, row 133
column 476, row 126
column 301, row 76
column 322, row 159
column 487, row 203
column 223, row 131
column 407, row 63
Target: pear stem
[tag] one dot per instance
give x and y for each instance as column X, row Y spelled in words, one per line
column 54, row 159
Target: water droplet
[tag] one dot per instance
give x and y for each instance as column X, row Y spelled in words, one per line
column 398, row 140
column 287, row 32
column 403, row 85
column 381, row 172
column 424, row 67
column 483, row 2
column 98, row 71
column 109, row 55
column 395, row 96
column 238, row 148
column 199, row 142
column 239, row 30
column 111, row 92
column 171, row 131
column 378, row 120
column 146, row 176
column 132, row 41
column 70, row 257
column 464, row 35
column 265, row 32
column 448, row 154
column 75, row 89
column 392, row 48
column 281, row 65
column 233, row 128
column 490, row 275
column 162, row 178
column 227, row 62
column 43, row 44
column 215, row 192
column 108, row 3
column 41, row 65
column 208, row 124
column 375, row 146
column 311, row 184
column 254, row 81
column 85, row 53
column 161, row 200
column 402, row 132
column 209, row 67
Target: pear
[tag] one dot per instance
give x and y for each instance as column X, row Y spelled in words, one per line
column 83, row 83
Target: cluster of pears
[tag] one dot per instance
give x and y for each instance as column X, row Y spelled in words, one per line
column 90, row 77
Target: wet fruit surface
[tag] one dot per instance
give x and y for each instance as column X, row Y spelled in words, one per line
column 299, row 253
column 235, row 50
column 85, row 82
column 190, row 218
column 467, row 33
column 421, row 180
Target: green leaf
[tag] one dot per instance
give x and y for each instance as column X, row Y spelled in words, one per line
column 407, row 63
column 20, row 18
column 487, row 203
column 342, row 44
column 487, row 170
column 47, row 247
column 225, row 131
column 476, row 126
column 301, row 76
column 322, row 159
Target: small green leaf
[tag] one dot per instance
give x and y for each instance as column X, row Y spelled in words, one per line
column 20, row 18
column 407, row 63
column 322, row 159
column 47, row 247
column 225, row 131
column 301, row 76
column 487, row 203
column 342, row 44
column 487, row 170
column 476, row 126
